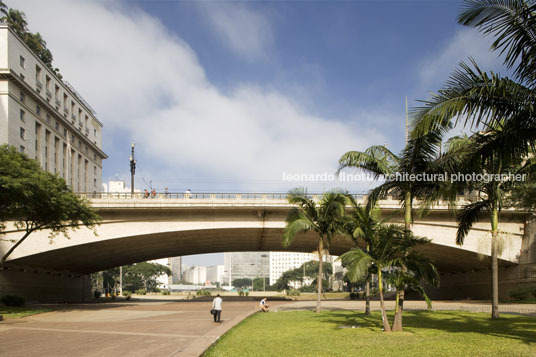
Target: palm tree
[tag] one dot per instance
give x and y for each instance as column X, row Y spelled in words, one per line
column 392, row 249
column 418, row 157
column 324, row 218
column 502, row 106
column 484, row 153
column 362, row 224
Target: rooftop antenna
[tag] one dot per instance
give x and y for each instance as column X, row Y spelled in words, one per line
column 406, row 119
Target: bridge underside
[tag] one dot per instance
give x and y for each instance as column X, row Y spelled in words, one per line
column 104, row 254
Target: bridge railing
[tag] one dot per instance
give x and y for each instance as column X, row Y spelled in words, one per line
column 199, row 195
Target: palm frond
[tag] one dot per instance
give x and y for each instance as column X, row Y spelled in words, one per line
column 357, row 263
column 469, row 215
column 513, row 24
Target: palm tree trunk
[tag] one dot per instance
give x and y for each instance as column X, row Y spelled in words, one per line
column 397, row 323
column 367, row 296
column 399, row 309
column 367, row 289
column 494, row 262
column 386, row 326
column 319, row 278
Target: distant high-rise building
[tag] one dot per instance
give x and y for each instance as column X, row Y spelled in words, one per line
column 250, row 265
column 43, row 116
column 196, row 274
column 215, row 274
column 175, row 265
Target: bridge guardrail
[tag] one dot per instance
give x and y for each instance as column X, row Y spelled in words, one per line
column 198, row 195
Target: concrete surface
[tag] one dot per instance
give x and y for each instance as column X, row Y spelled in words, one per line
column 120, row 329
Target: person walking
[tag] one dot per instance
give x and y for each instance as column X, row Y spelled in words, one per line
column 216, row 305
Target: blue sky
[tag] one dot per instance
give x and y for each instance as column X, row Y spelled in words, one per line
column 228, row 96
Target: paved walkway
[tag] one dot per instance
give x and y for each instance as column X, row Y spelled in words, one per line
column 120, row 329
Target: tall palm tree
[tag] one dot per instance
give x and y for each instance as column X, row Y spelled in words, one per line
column 493, row 102
column 392, row 248
column 483, row 153
column 417, row 157
column 324, row 218
column 362, row 224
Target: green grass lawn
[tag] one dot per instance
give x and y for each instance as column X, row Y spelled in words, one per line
column 304, row 333
column 18, row 312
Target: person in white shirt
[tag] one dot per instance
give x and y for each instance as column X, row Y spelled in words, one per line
column 264, row 306
column 216, row 305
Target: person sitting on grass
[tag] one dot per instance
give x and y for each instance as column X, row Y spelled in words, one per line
column 264, row 306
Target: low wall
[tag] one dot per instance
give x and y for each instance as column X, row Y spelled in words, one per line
column 39, row 286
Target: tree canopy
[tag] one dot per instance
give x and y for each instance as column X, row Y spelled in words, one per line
column 34, row 199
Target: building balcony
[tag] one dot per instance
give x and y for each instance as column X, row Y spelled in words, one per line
column 66, row 110
column 73, row 117
column 58, row 103
column 49, row 94
column 38, row 84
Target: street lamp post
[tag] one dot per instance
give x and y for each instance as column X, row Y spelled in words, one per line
column 132, row 170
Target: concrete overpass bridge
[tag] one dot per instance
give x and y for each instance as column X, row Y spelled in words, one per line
column 135, row 229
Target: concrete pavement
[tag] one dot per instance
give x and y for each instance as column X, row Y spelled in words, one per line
column 120, row 329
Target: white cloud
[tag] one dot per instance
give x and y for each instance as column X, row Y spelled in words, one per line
column 244, row 31
column 144, row 80
column 466, row 43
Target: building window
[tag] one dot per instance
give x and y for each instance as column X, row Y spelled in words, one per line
column 22, row 113
column 47, row 118
column 94, row 132
column 64, row 132
column 95, row 156
column 57, row 126
column 22, row 96
column 38, row 109
column 95, row 170
column 22, row 61
column 22, row 148
column 22, row 133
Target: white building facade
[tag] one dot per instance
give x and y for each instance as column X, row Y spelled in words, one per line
column 196, row 275
column 215, row 274
column 44, row 117
column 281, row 262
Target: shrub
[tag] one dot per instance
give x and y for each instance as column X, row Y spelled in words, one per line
column 247, row 293
column 522, row 293
column 12, row 300
column 126, row 293
column 240, row 292
column 166, row 292
column 203, row 292
column 293, row 292
column 141, row 292
column 97, row 294
column 354, row 296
